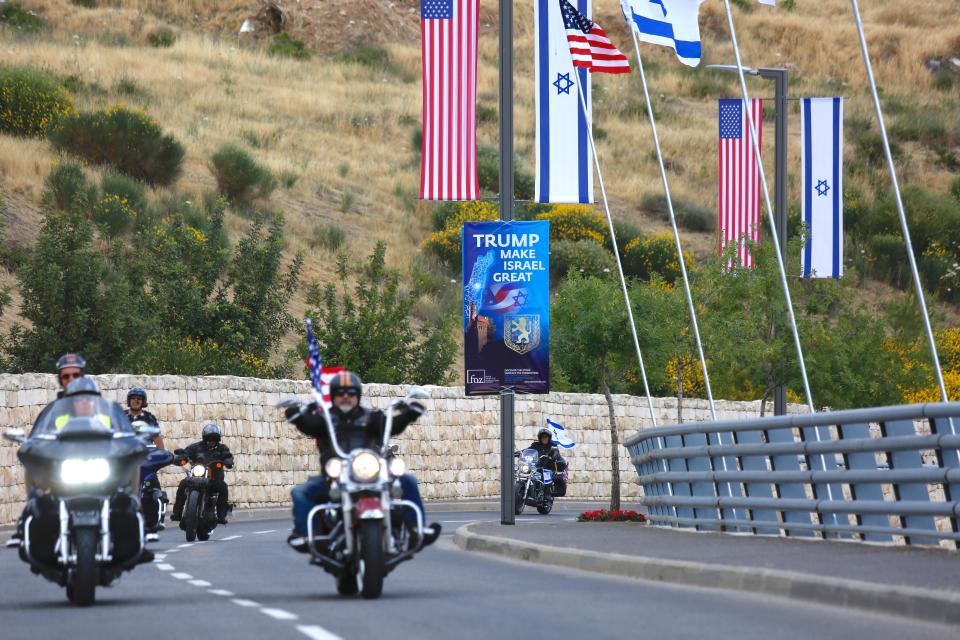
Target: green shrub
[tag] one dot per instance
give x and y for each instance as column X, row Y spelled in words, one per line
column 239, row 177
column 161, row 38
column 283, row 46
column 581, row 256
column 113, row 183
column 440, row 213
column 445, row 244
column 889, row 257
column 486, row 114
column 114, row 215
column 13, row 15
column 126, row 86
column 88, row 4
column 128, row 140
column 488, row 172
column 31, row 101
column 689, row 215
column 328, row 236
column 372, row 57
column 955, row 189
column 644, row 258
column 67, row 187
column 288, row 178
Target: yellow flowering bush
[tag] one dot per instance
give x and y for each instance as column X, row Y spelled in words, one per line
column 114, row 214
column 445, row 244
column 31, row 101
column 948, row 349
column 692, row 375
column 575, row 222
column 644, row 257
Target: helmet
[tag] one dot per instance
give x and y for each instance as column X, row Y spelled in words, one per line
column 82, row 386
column 345, row 381
column 137, row 392
column 210, row 433
column 544, row 431
column 71, row 360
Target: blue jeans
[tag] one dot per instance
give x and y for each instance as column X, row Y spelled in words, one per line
column 316, row 490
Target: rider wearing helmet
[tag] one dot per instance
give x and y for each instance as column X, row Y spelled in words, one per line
column 136, row 411
column 355, row 427
column 210, row 450
column 544, row 446
column 82, row 392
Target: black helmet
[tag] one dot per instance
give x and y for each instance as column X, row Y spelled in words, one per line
column 210, row 433
column 544, row 431
column 137, row 392
column 71, row 360
column 346, row 381
column 82, row 386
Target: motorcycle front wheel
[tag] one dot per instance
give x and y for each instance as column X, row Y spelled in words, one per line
column 518, row 500
column 371, row 567
column 82, row 587
column 191, row 515
column 546, row 505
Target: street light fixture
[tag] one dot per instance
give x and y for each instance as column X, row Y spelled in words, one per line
column 779, row 76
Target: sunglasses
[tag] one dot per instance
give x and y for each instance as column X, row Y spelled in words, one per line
column 345, row 392
column 71, row 376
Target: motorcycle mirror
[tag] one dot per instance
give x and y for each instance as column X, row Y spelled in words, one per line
column 15, row 435
column 417, row 393
column 395, row 449
column 289, row 401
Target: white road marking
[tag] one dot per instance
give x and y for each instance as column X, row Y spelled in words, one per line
column 182, row 576
column 231, row 538
column 279, row 614
column 184, row 545
column 159, row 557
column 245, row 603
column 258, row 533
column 172, row 550
column 221, row 592
column 451, row 521
column 165, row 567
column 316, row 632
column 200, row 583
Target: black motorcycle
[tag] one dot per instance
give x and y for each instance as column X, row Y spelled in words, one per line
column 82, row 526
column 200, row 500
column 533, row 482
column 153, row 499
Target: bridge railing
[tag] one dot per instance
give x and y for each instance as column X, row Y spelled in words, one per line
column 889, row 474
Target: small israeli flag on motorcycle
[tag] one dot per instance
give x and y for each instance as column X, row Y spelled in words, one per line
column 560, row 437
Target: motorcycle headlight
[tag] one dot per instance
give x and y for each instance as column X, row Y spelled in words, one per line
column 198, row 471
column 365, row 466
column 89, row 471
column 524, row 468
column 397, row 467
column 333, row 468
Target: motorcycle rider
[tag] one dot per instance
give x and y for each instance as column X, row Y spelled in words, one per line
column 210, row 450
column 136, row 410
column 69, row 367
column 544, row 447
column 355, row 427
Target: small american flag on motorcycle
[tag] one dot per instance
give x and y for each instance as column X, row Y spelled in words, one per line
column 320, row 376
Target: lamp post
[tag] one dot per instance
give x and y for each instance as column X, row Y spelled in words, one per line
column 779, row 76
column 506, row 213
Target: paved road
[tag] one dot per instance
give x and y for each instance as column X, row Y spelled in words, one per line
column 245, row 583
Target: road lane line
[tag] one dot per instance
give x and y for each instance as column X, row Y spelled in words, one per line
column 231, row 538
column 200, row 583
column 184, row 545
column 221, row 592
column 316, row 632
column 260, row 533
column 158, row 557
column 182, row 576
column 240, row 602
column 279, row 614
column 172, row 550
column 165, row 567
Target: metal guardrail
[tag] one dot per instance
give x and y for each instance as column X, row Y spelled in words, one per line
column 890, row 474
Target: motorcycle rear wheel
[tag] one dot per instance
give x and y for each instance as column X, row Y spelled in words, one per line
column 371, row 569
column 82, row 588
column 191, row 515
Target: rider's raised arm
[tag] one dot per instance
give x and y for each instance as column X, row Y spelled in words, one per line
column 225, row 456
column 406, row 415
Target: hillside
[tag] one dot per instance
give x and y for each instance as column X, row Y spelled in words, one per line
column 340, row 127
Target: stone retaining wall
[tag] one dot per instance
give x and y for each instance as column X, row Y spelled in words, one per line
column 454, row 449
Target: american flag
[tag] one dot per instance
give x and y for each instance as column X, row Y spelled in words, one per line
column 590, row 47
column 448, row 169
column 505, row 297
column 320, row 376
column 739, row 178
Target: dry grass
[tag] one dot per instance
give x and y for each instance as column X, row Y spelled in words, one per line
column 316, row 117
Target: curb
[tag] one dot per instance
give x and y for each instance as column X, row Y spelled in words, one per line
column 911, row 602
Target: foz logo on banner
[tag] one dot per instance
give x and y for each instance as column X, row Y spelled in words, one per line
column 523, row 332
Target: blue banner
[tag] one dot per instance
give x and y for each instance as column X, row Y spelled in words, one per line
column 506, row 306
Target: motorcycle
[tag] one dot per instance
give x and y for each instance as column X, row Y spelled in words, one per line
column 533, row 482
column 200, row 502
column 363, row 536
column 82, row 527
column 153, row 499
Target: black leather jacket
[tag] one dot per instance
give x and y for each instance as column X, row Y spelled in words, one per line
column 144, row 416
column 559, row 464
column 361, row 428
column 217, row 453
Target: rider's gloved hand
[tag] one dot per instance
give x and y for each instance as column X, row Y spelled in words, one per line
column 417, row 408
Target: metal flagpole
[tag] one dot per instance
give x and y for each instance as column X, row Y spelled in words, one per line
column 676, row 232
column 900, row 211
column 507, row 514
column 766, row 199
column 613, row 241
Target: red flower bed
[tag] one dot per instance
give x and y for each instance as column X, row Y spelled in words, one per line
column 615, row 515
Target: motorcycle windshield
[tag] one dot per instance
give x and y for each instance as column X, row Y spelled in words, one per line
column 82, row 415
column 530, row 456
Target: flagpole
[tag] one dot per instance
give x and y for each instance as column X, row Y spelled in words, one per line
column 900, row 211
column 766, row 199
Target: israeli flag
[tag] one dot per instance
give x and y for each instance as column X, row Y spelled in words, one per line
column 560, row 437
column 671, row 23
column 822, row 203
column 564, row 161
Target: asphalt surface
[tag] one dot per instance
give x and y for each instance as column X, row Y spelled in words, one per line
column 927, row 568
column 246, row 583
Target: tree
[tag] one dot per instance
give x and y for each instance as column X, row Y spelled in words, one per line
column 369, row 330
